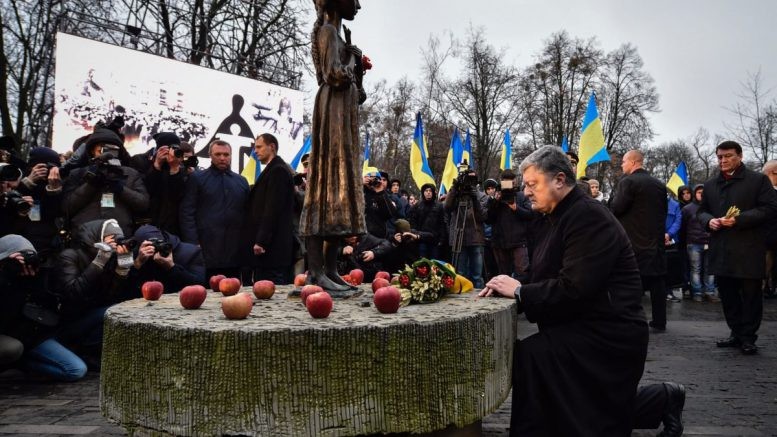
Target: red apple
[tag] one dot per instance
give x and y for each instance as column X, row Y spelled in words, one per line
column 152, row 290
column 384, row 275
column 308, row 290
column 379, row 283
column 192, row 297
column 214, row 282
column 300, row 279
column 387, row 300
column 229, row 286
column 357, row 276
column 319, row 305
column 264, row 289
column 238, row 306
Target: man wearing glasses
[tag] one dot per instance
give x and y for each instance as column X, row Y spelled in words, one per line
column 737, row 203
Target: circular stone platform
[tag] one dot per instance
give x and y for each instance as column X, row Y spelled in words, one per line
column 166, row 370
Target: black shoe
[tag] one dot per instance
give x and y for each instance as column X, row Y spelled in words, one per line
column 749, row 348
column 656, row 327
column 729, row 342
column 673, row 414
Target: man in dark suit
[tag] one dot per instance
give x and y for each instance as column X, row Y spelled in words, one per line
column 737, row 249
column 640, row 205
column 270, row 216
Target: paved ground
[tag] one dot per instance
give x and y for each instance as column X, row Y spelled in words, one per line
column 728, row 394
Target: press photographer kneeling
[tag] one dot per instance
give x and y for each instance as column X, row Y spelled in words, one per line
column 163, row 257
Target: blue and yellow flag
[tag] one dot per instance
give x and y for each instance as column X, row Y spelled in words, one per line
column 419, row 164
column 295, row 163
column 591, row 148
column 366, row 154
column 467, row 153
column 506, row 162
column 564, row 144
column 679, row 178
column 451, row 169
column 252, row 169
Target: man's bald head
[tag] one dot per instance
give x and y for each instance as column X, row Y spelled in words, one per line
column 770, row 170
column 632, row 160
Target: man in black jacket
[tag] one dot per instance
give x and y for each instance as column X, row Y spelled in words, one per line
column 639, row 202
column 269, row 227
column 578, row 375
column 162, row 256
column 166, row 181
column 737, row 250
column 427, row 218
column 509, row 214
column 378, row 207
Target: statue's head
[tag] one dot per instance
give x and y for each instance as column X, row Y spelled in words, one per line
column 346, row 8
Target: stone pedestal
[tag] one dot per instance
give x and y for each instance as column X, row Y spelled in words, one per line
column 167, row 370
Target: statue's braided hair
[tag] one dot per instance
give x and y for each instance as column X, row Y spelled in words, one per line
column 320, row 8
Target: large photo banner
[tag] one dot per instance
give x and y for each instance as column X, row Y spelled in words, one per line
column 96, row 82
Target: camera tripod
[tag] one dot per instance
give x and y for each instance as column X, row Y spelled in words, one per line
column 464, row 205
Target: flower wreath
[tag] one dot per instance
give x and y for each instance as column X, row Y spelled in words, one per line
column 425, row 281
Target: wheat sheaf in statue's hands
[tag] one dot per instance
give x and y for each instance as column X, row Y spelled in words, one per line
column 732, row 212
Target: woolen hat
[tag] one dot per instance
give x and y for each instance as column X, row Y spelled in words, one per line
column 166, row 139
column 103, row 136
column 13, row 243
column 43, row 155
column 402, row 225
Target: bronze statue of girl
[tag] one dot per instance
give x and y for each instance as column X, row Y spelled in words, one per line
column 334, row 200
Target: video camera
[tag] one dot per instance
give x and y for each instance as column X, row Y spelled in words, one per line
column 30, row 257
column 13, row 202
column 105, row 168
column 465, row 182
column 191, row 162
column 162, row 247
column 508, row 190
column 176, row 150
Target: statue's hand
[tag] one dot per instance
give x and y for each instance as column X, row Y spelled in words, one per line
column 356, row 51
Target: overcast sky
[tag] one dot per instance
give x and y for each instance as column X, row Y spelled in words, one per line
column 698, row 51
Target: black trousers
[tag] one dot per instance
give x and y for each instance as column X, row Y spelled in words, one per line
column 578, row 379
column 743, row 306
column 229, row 272
column 657, row 287
column 278, row 275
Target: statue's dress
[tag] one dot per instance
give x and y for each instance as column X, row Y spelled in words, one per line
column 334, row 200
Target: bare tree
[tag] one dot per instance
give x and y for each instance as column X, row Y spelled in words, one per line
column 756, row 118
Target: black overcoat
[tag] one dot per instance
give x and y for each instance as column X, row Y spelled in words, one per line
column 270, row 216
column 640, row 205
column 739, row 251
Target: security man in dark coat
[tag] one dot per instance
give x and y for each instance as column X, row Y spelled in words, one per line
column 212, row 211
column 737, row 249
column 639, row 202
column 269, row 228
column 578, row 375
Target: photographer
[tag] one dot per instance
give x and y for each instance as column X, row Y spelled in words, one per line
column 509, row 214
column 95, row 274
column 365, row 252
column 106, row 188
column 29, row 316
column 13, row 205
column 43, row 185
column 465, row 198
column 427, row 218
column 163, row 257
column 405, row 242
column 379, row 208
column 166, row 180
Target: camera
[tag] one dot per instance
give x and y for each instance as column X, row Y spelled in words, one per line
column 162, row 247
column 176, row 150
column 508, row 190
column 465, row 182
column 105, row 168
column 190, row 162
column 13, row 202
column 127, row 242
column 30, row 257
column 374, row 182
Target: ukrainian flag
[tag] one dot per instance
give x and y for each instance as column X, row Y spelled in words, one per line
column 467, row 154
column 252, row 169
column 454, row 157
column 419, row 164
column 679, row 178
column 295, row 163
column 366, row 154
column 564, row 144
column 506, row 162
column 591, row 148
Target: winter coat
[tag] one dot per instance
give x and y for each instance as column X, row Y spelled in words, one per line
column 695, row 232
column 270, row 216
column 166, row 193
column 379, row 209
column 43, row 234
column 509, row 228
column 212, row 213
column 82, row 200
column 474, row 234
column 188, row 268
column 380, row 247
column 82, row 284
column 16, row 291
column 640, row 205
column 674, row 218
column 739, row 251
column 427, row 218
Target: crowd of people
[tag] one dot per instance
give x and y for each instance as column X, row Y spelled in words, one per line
column 81, row 234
